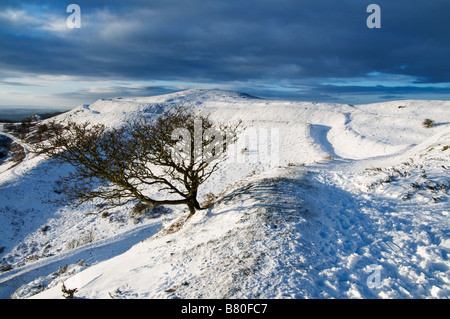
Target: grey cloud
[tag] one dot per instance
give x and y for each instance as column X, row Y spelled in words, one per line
column 226, row 41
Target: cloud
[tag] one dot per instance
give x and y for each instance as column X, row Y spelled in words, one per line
column 114, row 90
column 19, row 22
column 218, row 41
column 259, row 42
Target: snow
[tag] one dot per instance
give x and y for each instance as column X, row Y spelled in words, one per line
column 352, row 202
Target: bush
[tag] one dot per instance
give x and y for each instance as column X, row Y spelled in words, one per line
column 427, row 123
column 141, row 208
column 87, row 238
column 209, row 200
column 68, row 293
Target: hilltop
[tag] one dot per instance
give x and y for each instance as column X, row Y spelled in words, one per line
column 350, row 201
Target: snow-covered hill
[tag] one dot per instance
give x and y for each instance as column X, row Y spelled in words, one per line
column 349, row 202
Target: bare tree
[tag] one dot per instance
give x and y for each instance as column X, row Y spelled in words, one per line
column 170, row 156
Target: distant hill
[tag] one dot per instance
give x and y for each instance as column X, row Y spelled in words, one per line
column 10, row 115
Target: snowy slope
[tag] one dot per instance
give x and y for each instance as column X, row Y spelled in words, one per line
column 352, row 202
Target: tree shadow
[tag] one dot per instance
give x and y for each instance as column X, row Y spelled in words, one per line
column 441, row 124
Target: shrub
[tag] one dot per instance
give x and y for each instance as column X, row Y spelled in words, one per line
column 5, row 268
column 141, row 208
column 209, row 200
column 87, row 238
column 68, row 293
column 427, row 123
column 62, row 270
column 158, row 211
column 45, row 228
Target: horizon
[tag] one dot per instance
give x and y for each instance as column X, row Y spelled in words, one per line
column 59, row 56
column 19, row 112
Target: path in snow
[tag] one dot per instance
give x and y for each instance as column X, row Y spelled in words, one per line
column 90, row 253
column 310, row 238
column 322, row 237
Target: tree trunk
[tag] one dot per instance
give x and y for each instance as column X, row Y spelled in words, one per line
column 191, row 206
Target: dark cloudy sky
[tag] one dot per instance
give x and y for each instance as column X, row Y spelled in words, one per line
column 319, row 50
